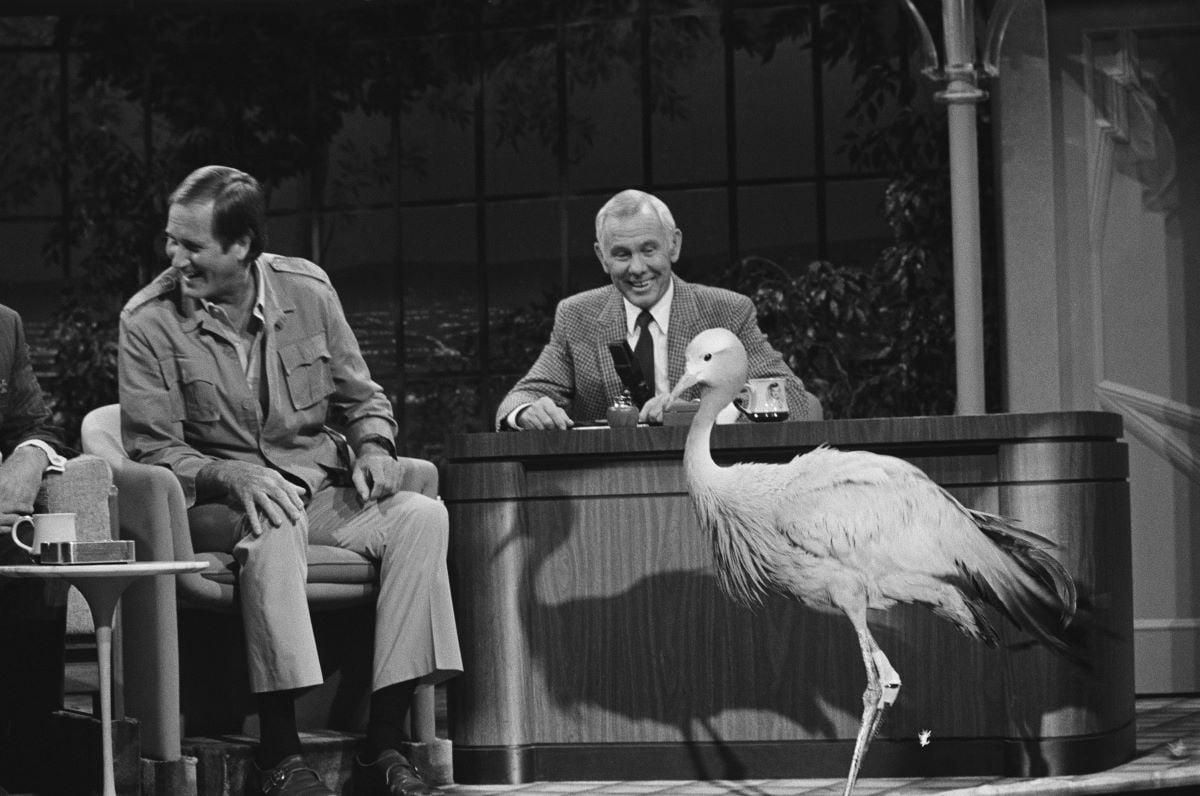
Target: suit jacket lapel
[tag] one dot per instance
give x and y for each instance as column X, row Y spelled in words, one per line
column 685, row 324
column 610, row 327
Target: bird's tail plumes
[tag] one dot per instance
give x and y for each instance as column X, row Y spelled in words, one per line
column 1042, row 597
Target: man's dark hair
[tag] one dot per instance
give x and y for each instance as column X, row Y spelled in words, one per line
column 239, row 207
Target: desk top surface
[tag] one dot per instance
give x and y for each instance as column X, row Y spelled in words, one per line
column 660, row 440
column 133, row 568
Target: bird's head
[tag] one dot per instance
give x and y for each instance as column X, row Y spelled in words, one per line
column 716, row 360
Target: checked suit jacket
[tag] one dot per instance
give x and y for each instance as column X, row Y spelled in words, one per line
column 576, row 369
column 23, row 413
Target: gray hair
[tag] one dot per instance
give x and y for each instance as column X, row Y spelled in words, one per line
column 631, row 202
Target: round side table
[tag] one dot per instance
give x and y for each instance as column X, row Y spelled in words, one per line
column 102, row 585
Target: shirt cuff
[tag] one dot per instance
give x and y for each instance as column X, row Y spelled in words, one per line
column 57, row 462
column 388, row 444
column 510, row 420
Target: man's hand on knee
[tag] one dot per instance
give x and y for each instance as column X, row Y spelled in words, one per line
column 255, row 489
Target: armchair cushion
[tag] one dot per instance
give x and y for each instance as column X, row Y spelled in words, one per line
column 325, row 565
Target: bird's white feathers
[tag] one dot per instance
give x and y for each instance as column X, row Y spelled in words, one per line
column 848, row 529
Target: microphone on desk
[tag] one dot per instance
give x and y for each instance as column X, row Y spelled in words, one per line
column 629, row 370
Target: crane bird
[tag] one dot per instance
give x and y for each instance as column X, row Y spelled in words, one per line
column 853, row 530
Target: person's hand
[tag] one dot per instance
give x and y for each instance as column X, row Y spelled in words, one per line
column 258, row 490
column 20, row 480
column 652, row 410
column 543, row 414
column 376, row 475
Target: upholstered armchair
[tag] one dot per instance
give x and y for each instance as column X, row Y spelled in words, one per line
column 153, row 513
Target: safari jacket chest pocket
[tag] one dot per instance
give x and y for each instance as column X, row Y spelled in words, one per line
column 306, row 369
column 197, row 393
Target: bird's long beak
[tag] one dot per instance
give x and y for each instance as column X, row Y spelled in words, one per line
column 686, row 380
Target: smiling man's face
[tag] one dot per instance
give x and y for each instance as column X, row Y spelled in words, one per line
column 208, row 270
column 637, row 253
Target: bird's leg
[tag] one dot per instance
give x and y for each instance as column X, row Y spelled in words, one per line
column 889, row 688
column 883, row 686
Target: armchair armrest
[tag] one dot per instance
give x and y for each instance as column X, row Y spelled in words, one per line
column 85, row 488
column 419, row 476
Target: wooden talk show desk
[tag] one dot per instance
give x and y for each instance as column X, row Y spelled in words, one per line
column 597, row 644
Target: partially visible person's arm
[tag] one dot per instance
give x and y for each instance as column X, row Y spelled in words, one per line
column 539, row 400
column 26, row 431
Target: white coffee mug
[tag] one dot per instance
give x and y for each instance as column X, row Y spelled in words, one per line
column 47, row 529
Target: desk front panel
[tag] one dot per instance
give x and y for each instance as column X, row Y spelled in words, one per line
column 593, row 630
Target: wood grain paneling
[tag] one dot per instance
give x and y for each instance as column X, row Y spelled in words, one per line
column 595, row 637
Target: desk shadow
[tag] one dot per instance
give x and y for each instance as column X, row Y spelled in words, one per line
column 670, row 649
column 658, row 647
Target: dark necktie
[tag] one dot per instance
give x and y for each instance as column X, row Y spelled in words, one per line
column 644, row 350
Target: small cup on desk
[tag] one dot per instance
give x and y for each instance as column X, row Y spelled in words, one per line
column 46, row 529
column 764, row 400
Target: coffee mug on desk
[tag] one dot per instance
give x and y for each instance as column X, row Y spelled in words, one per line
column 47, row 529
column 764, row 400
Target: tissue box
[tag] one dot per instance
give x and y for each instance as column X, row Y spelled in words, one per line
column 680, row 413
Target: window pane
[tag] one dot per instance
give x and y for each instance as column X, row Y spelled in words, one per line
column 857, row 230
column 435, row 409
column 30, row 134
column 774, row 113
column 361, row 168
column 106, row 131
column 779, row 222
column 586, row 272
column 521, row 112
column 523, row 251
column 437, row 131
column 440, row 288
column 677, row 6
column 290, row 194
column 27, row 31
column 288, row 233
column 25, row 263
column 359, row 254
column 603, row 106
column 688, row 94
column 32, row 288
column 702, row 215
column 839, row 93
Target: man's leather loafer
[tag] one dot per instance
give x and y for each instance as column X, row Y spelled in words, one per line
column 390, row 775
column 291, row 777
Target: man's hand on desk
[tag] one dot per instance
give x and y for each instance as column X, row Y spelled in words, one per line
column 255, row 489
column 652, row 410
column 543, row 414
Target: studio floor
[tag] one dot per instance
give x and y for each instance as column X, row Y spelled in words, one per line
column 1167, row 761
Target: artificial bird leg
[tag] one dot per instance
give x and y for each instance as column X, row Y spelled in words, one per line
column 889, row 684
column 889, row 678
column 872, row 697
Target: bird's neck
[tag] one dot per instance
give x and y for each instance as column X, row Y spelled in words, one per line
column 697, row 454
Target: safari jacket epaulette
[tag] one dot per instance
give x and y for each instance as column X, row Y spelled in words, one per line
column 294, row 265
column 164, row 283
